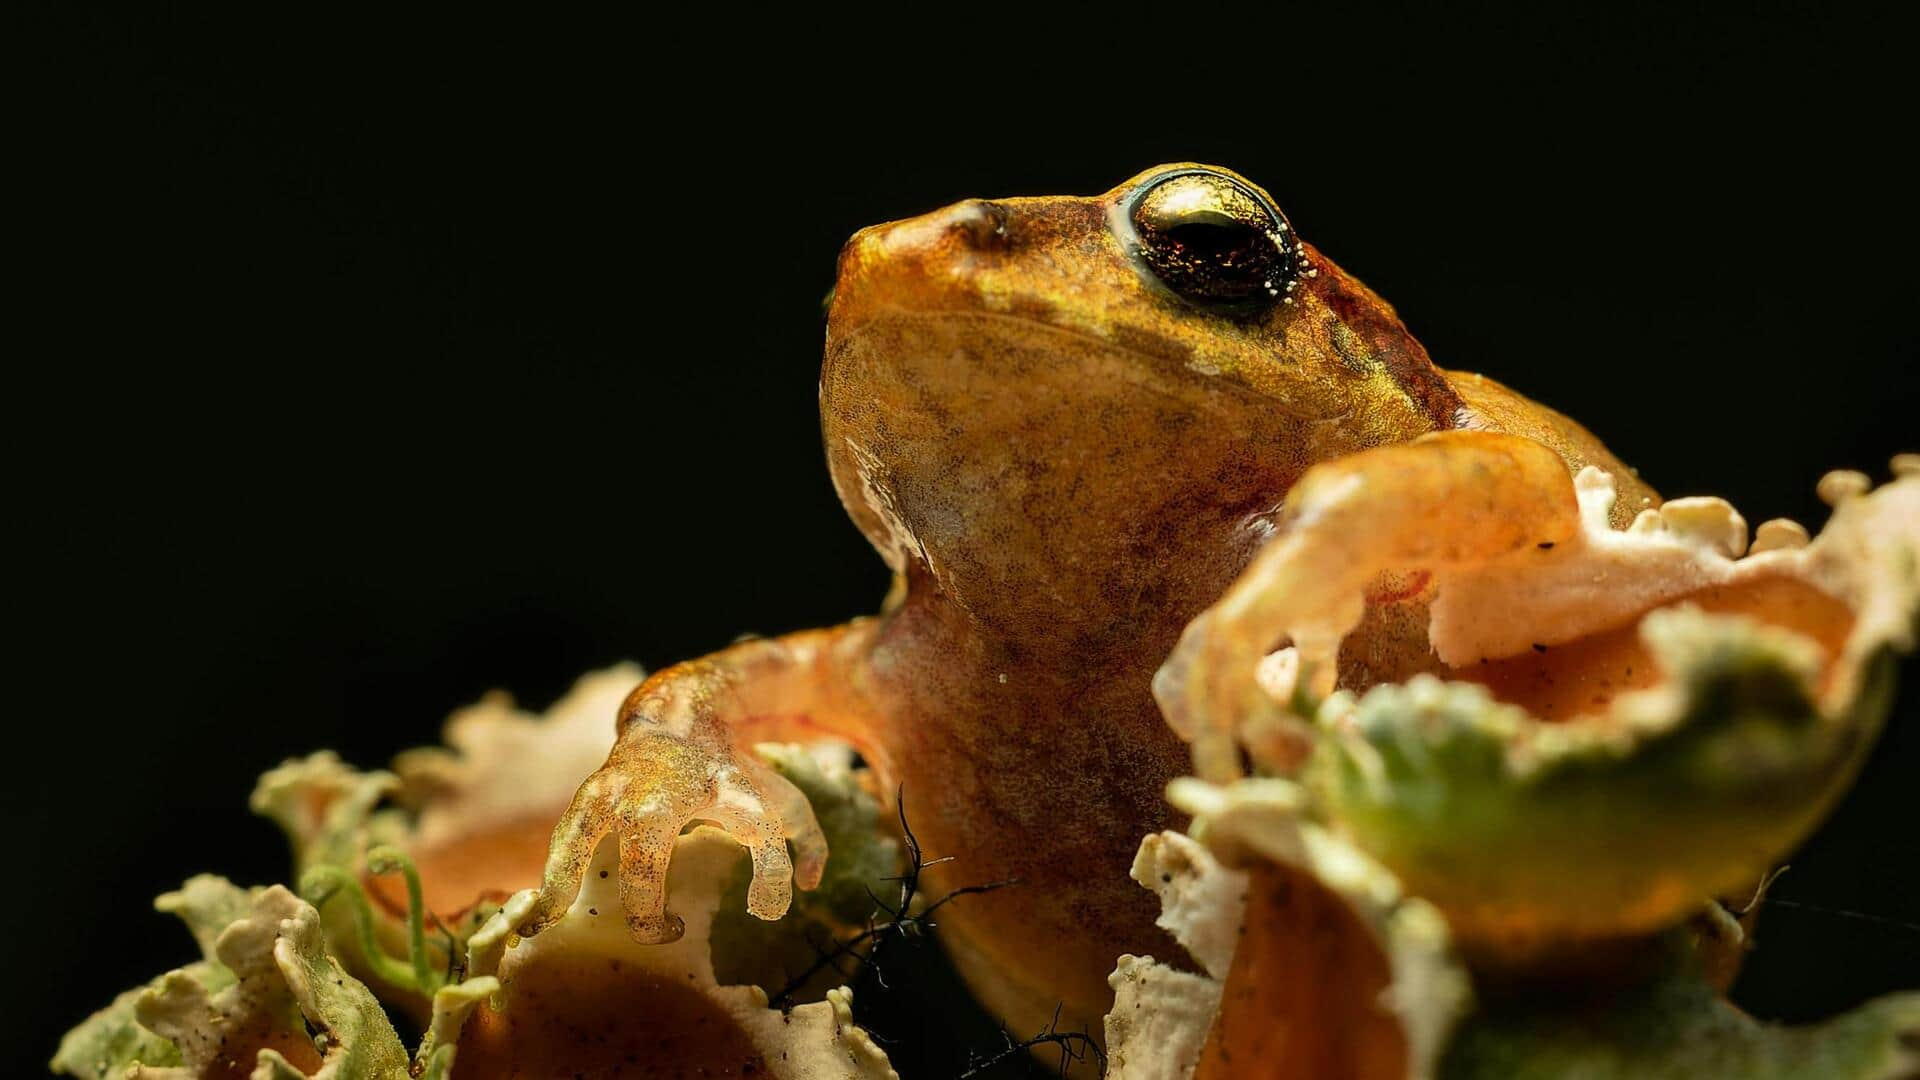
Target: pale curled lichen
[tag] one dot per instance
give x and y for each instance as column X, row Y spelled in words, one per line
column 107, row 1043
column 1162, row 1017
column 505, row 781
column 1159, row 1021
column 1528, row 833
column 110, row 1040
column 1201, row 899
column 588, row 950
column 1730, row 730
column 268, row 1002
column 1497, row 554
column 495, row 787
column 501, row 764
column 458, row 976
column 509, row 768
column 1268, row 820
column 1527, row 844
column 326, row 808
column 1531, row 834
column 1666, row 1024
column 1867, row 557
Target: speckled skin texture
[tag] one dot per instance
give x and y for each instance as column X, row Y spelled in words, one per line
column 1063, row 462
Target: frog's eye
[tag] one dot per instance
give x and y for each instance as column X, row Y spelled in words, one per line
column 1212, row 239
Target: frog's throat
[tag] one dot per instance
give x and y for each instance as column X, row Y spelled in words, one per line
column 1074, row 499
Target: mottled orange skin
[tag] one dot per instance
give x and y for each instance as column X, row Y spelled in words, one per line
column 1063, row 462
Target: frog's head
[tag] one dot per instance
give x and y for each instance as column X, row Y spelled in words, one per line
column 1081, row 413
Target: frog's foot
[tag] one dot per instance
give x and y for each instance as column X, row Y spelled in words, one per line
column 654, row 785
column 1443, row 500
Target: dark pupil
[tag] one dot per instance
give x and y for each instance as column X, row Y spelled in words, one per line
column 1219, row 260
column 1226, row 247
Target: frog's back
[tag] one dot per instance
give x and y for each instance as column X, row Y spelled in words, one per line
column 1490, row 405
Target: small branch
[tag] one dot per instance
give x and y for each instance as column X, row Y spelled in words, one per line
column 1075, row 1047
column 901, row 921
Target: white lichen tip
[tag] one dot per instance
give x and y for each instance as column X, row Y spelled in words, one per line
column 1160, row 1020
column 1708, row 521
column 1840, row 485
column 501, row 763
column 1779, row 534
column 279, row 986
column 1201, row 901
column 868, row 1060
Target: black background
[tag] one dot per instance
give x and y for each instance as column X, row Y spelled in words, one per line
column 392, row 364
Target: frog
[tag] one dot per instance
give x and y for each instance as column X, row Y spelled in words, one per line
column 1066, row 424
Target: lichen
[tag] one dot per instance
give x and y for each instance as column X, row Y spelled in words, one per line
column 583, row 995
column 1676, row 1026
column 268, row 1001
column 1504, row 832
column 407, row 903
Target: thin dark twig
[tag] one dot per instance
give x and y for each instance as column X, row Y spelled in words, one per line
column 901, row 921
column 456, row 959
column 965, row 890
column 1821, row 909
column 1075, row 1047
column 923, row 866
column 830, row 958
column 1760, row 890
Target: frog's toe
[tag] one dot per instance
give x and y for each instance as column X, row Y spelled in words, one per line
column 651, row 789
column 797, row 825
column 587, row 821
column 763, row 811
column 771, row 890
column 646, row 848
column 647, row 818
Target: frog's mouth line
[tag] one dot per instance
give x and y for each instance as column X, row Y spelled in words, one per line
column 1159, row 357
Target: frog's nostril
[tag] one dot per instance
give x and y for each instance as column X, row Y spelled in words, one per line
column 982, row 223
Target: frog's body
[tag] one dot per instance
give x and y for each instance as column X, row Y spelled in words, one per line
column 1065, row 449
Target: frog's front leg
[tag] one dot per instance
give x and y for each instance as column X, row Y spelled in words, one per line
column 684, row 754
column 1442, row 500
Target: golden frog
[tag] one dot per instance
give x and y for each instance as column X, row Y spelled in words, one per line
column 1067, row 424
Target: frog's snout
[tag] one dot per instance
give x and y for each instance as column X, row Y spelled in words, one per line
column 982, row 224
column 923, row 262
column 975, row 224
